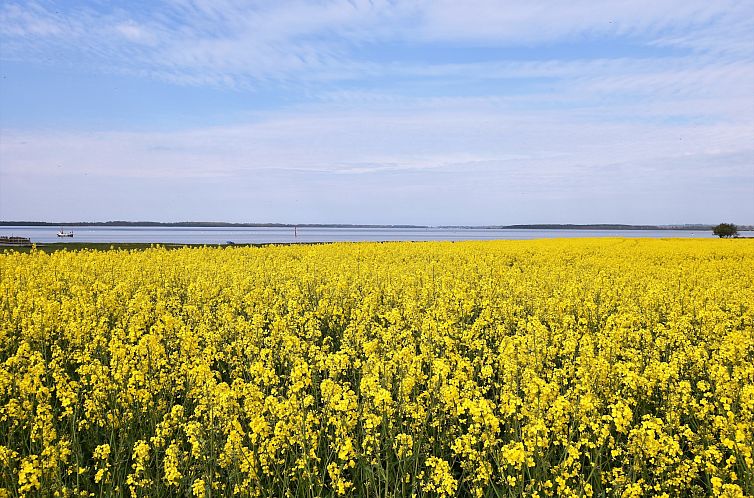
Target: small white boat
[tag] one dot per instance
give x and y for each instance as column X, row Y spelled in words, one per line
column 61, row 233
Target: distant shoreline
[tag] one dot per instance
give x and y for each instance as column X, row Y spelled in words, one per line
column 202, row 224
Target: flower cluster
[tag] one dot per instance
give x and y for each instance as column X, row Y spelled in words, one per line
column 510, row 368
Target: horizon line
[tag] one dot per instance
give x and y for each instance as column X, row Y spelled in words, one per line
column 521, row 226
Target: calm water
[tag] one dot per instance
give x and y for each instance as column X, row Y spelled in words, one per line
column 177, row 235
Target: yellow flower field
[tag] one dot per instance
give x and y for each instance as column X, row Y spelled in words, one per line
column 535, row 368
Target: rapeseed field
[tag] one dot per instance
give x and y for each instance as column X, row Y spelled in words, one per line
column 593, row 367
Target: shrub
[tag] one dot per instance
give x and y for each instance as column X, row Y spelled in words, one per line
column 725, row 230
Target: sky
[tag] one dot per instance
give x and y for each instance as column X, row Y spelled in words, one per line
column 438, row 112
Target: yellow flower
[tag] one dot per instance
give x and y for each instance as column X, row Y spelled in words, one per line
column 549, row 368
column 170, row 464
column 404, row 445
column 440, row 480
column 29, row 475
column 199, row 488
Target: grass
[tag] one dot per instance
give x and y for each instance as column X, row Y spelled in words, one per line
column 105, row 246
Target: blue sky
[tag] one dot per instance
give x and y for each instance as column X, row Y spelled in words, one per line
column 428, row 112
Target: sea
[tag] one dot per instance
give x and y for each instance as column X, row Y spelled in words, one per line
column 287, row 235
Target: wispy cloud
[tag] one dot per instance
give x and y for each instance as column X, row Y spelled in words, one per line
column 242, row 42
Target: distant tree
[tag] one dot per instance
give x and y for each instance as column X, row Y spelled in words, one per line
column 725, row 230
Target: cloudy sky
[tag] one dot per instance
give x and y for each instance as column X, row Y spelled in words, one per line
column 428, row 112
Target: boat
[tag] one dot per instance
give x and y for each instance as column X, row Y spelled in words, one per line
column 61, row 233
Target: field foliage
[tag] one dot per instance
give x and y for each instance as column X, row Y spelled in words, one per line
column 539, row 368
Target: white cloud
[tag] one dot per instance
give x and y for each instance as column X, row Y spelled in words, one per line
column 135, row 33
column 679, row 116
column 531, row 22
column 447, row 136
